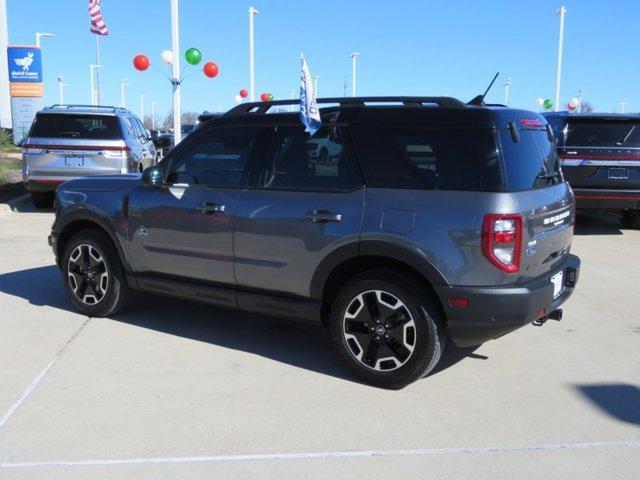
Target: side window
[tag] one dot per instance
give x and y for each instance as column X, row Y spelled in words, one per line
column 143, row 131
column 417, row 158
column 216, row 157
column 137, row 126
column 300, row 162
column 128, row 127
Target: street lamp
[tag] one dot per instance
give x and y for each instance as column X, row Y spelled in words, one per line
column 622, row 104
column 142, row 97
column 561, row 11
column 353, row 58
column 40, row 35
column 175, row 81
column 315, row 84
column 153, row 114
column 507, row 87
column 94, row 94
column 61, row 86
column 252, row 91
column 123, row 84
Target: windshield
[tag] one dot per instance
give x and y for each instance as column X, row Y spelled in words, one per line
column 602, row 133
column 531, row 162
column 86, row 127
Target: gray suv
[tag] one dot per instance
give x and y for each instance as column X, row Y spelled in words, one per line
column 69, row 141
column 435, row 219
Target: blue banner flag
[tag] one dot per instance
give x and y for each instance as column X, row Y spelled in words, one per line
column 309, row 113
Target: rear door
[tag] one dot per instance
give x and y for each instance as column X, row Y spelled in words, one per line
column 532, row 175
column 299, row 211
column 602, row 152
column 71, row 145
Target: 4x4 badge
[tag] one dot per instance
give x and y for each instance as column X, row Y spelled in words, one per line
column 142, row 232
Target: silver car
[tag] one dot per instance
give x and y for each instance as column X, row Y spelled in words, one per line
column 71, row 141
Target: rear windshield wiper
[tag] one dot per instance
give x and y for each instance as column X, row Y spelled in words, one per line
column 548, row 175
column 626, row 137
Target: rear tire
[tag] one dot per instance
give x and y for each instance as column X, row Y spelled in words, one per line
column 42, row 199
column 631, row 219
column 93, row 275
column 387, row 328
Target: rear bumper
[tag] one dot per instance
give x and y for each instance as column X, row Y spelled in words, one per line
column 495, row 311
column 48, row 183
column 607, row 199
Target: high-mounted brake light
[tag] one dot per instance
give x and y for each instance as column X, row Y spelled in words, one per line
column 530, row 122
column 502, row 241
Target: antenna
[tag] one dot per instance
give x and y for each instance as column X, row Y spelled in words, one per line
column 479, row 100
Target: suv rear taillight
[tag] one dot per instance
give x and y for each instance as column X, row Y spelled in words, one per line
column 502, row 241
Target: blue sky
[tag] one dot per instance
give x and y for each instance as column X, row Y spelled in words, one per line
column 406, row 47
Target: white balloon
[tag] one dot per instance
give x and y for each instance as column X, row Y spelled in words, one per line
column 167, row 57
column 238, row 98
column 574, row 102
column 540, row 101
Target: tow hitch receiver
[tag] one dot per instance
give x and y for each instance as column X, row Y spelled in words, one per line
column 554, row 315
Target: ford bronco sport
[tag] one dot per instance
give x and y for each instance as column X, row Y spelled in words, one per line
column 436, row 218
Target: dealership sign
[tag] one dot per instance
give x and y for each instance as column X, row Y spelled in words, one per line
column 25, row 86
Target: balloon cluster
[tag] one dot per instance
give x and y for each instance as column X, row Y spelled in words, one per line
column 545, row 103
column 266, row 97
column 193, row 56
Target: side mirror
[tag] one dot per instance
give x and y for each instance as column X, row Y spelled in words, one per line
column 152, row 177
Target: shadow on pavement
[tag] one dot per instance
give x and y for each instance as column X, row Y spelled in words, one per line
column 23, row 204
column 597, row 224
column 289, row 342
column 619, row 400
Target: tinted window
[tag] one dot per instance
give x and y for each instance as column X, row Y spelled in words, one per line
column 140, row 130
column 300, row 162
column 131, row 133
column 89, row 127
column 215, row 158
column 531, row 162
column 598, row 133
column 418, row 158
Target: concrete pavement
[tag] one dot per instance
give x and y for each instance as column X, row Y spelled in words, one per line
column 171, row 389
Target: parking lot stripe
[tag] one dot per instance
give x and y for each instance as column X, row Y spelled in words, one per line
column 7, row 415
column 315, row 455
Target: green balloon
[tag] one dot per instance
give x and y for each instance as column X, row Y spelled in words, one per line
column 271, row 97
column 547, row 104
column 193, row 56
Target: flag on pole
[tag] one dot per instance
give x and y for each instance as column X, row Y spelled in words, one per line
column 309, row 113
column 97, row 23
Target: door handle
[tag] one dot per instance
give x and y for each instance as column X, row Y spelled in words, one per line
column 323, row 216
column 207, row 208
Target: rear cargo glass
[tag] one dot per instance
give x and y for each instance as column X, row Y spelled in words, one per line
column 432, row 159
column 600, row 133
column 531, row 162
column 85, row 127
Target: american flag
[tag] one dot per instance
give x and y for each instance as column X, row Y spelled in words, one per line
column 97, row 24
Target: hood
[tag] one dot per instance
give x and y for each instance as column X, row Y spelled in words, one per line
column 103, row 183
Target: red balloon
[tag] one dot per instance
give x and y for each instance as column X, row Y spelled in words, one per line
column 141, row 62
column 211, row 69
column 570, row 107
column 244, row 93
column 264, row 97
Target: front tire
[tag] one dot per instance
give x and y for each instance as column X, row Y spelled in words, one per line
column 93, row 275
column 387, row 328
column 631, row 219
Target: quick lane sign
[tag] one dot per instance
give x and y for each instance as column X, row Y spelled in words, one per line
column 25, row 71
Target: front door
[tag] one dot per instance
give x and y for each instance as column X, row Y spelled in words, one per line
column 306, row 203
column 185, row 228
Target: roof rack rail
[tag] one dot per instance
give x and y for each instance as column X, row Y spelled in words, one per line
column 79, row 105
column 264, row 107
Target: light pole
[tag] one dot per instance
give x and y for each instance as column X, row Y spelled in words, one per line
column 175, row 47
column 315, row 84
column 40, row 35
column 353, row 58
column 252, row 91
column 61, row 86
column 580, row 97
column 123, row 84
column 561, row 11
column 622, row 104
column 142, row 97
column 153, row 114
column 507, row 86
column 94, row 94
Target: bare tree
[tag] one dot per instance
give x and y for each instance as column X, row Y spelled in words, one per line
column 586, row 107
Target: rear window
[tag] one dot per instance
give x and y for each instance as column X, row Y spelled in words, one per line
column 599, row 133
column 418, row 158
column 531, row 162
column 86, row 127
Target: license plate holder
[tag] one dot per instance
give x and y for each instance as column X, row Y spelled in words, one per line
column 74, row 161
column 617, row 173
column 558, row 283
